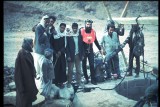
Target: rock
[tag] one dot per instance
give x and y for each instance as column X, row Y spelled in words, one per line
column 58, row 103
column 12, row 85
column 87, row 8
column 39, row 101
column 10, row 98
column 66, row 93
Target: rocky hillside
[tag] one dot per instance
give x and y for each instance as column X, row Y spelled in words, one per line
column 22, row 15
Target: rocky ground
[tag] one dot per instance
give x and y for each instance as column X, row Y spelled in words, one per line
column 21, row 16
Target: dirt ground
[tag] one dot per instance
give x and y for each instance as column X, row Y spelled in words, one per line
column 20, row 17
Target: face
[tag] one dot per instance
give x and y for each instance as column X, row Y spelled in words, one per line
column 88, row 25
column 74, row 29
column 51, row 22
column 47, row 22
column 62, row 28
column 110, row 31
column 31, row 44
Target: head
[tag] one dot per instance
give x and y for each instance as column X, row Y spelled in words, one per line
column 111, row 29
column 88, row 25
column 52, row 20
column 27, row 44
column 74, row 27
column 68, row 28
column 62, row 27
column 110, row 23
column 45, row 20
column 48, row 53
column 135, row 27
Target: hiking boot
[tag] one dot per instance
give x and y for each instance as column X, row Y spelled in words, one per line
column 136, row 76
column 119, row 77
column 86, row 82
column 130, row 74
column 93, row 82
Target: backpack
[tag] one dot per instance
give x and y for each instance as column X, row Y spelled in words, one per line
column 138, row 49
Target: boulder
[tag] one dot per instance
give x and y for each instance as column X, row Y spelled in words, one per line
column 10, row 98
column 58, row 103
column 12, row 86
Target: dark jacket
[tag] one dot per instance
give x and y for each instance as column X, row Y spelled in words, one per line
column 41, row 41
column 70, row 48
column 25, row 76
column 50, row 33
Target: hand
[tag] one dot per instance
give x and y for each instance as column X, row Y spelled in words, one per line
column 82, row 57
column 101, row 52
column 69, row 59
column 104, row 52
column 45, row 34
column 122, row 45
column 59, row 53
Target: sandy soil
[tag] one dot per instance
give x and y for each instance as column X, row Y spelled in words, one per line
column 20, row 17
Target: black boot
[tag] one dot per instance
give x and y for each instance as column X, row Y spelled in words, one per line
column 94, row 82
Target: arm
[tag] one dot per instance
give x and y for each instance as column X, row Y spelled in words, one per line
column 63, row 50
column 45, row 71
column 18, row 76
column 67, row 48
column 52, row 44
column 97, row 44
column 40, row 34
column 120, row 30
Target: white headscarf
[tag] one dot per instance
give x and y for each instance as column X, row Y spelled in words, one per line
column 59, row 34
column 42, row 22
column 75, row 34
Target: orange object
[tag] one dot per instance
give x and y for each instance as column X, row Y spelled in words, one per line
column 88, row 37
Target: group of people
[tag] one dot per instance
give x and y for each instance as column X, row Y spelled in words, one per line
column 55, row 50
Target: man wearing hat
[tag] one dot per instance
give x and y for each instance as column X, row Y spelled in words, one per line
column 24, row 76
column 41, row 42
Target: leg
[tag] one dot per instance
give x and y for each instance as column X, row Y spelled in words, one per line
column 130, row 63
column 63, row 76
column 56, row 70
column 92, row 71
column 137, row 65
column 78, row 69
column 84, row 67
column 116, row 65
column 108, row 69
column 70, row 72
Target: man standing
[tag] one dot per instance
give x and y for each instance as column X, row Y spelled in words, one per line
column 110, row 43
column 51, row 29
column 89, row 36
column 41, row 42
column 74, row 54
column 25, row 74
column 120, row 32
column 136, row 45
column 58, row 43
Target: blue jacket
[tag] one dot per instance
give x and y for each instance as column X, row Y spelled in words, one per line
column 70, row 48
column 41, row 40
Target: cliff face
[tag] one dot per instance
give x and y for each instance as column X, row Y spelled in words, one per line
column 22, row 15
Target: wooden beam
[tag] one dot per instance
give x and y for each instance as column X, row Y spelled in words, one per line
column 108, row 13
column 123, row 15
column 124, row 10
column 141, row 20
